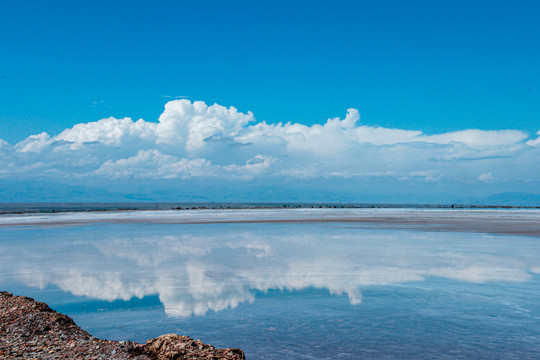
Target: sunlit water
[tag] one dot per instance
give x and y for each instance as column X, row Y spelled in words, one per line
column 279, row 290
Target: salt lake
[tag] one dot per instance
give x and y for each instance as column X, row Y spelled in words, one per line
column 287, row 283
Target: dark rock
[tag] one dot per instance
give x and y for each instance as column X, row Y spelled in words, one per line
column 173, row 347
column 31, row 329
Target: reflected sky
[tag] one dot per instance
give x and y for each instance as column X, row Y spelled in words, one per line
column 199, row 268
column 411, row 284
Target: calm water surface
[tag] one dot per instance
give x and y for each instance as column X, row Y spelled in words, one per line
column 288, row 290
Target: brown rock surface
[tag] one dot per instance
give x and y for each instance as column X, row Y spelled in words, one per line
column 31, row 330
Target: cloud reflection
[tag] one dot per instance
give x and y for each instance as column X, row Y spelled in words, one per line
column 195, row 269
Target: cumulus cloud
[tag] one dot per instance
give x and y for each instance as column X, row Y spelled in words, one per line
column 109, row 131
column 188, row 123
column 154, row 164
column 34, row 143
column 195, row 140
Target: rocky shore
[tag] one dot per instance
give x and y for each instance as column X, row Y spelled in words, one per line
column 31, row 330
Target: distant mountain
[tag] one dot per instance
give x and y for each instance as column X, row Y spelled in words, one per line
column 219, row 191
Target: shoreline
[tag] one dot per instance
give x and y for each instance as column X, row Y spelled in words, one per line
column 61, row 207
column 494, row 221
column 31, row 329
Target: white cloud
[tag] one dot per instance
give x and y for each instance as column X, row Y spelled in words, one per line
column 153, row 164
column 34, row 143
column 486, row 177
column 255, row 166
column 192, row 139
column 535, row 142
column 109, row 131
column 189, row 124
column 478, row 139
column 4, row 145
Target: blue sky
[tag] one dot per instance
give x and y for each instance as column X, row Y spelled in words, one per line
column 433, row 66
column 430, row 65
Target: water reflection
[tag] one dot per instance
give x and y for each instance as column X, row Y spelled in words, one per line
column 199, row 268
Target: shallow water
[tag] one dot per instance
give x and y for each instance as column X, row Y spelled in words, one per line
column 286, row 290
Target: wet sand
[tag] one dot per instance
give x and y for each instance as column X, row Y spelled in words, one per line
column 514, row 222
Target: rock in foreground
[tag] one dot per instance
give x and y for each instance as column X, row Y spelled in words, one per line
column 30, row 329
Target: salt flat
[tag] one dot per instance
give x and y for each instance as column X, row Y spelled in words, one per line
column 514, row 221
